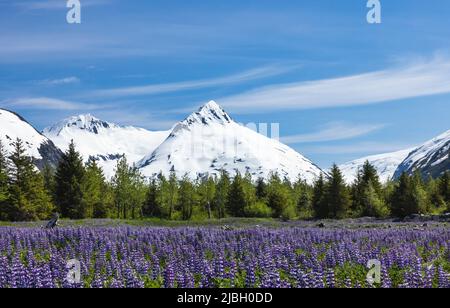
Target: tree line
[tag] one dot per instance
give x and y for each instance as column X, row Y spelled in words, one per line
column 79, row 190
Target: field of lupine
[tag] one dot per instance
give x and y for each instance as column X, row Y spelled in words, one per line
column 136, row 257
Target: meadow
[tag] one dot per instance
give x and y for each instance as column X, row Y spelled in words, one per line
column 115, row 254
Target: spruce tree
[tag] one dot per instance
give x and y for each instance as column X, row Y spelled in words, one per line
column 151, row 206
column 318, row 200
column 409, row 197
column 236, row 201
column 368, row 187
column 48, row 173
column 68, row 187
column 94, row 191
column 261, row 189
column 337, row 195
column 4, row 194
column 28, row 198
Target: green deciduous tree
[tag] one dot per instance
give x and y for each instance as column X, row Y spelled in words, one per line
column 221, row 196
column 129, row 190
column 207, row 192
column 187, row 198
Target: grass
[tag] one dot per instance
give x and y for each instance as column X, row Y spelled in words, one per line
column 363, row 223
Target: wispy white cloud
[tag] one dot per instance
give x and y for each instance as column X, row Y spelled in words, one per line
column 258, row 73
column 47, row 103
column 410, row 80
column 61, row 81
column 333, row 132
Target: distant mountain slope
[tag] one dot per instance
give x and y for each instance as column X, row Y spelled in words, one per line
column 39, row 147
column 385, row 164
column 209, row 141
column 431, row 158
column 104, row 141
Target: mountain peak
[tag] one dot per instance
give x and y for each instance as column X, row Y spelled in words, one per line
column 211, row 112
column 85, row 122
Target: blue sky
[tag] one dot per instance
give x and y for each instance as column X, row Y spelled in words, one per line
column 339, row 87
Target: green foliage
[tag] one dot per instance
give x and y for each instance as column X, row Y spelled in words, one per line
column 259, row 210
column 69, row 184
column 151, row 206
column 95, row 191
column 129, row 191
column 187, row 198
column 409, row 197
column 81, row 191
column 237, row 199
column 279, row 198
column 206, row 193
column 221, row 196
column 367, row 194
column 337, row 196
column 4, row 193
column 318, row 200
column 27, row 197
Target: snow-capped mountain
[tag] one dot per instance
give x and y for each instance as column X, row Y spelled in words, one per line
column 105, row 142
column 385, row 164
column 209, row 141
column 37, row 146
column 431, row 158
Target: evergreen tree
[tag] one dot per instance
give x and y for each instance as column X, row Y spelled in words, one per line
column 236, row 201
column 261, row 189
column 28, row 199
column 337, row 195
column 48, row 173
column 4, row 194
column 409, row 197
column 304, row 204
column 221, row 196
column 367, row 187
column 151, row 206
column 94, row 191
column 68, row 188
column 318, row 200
